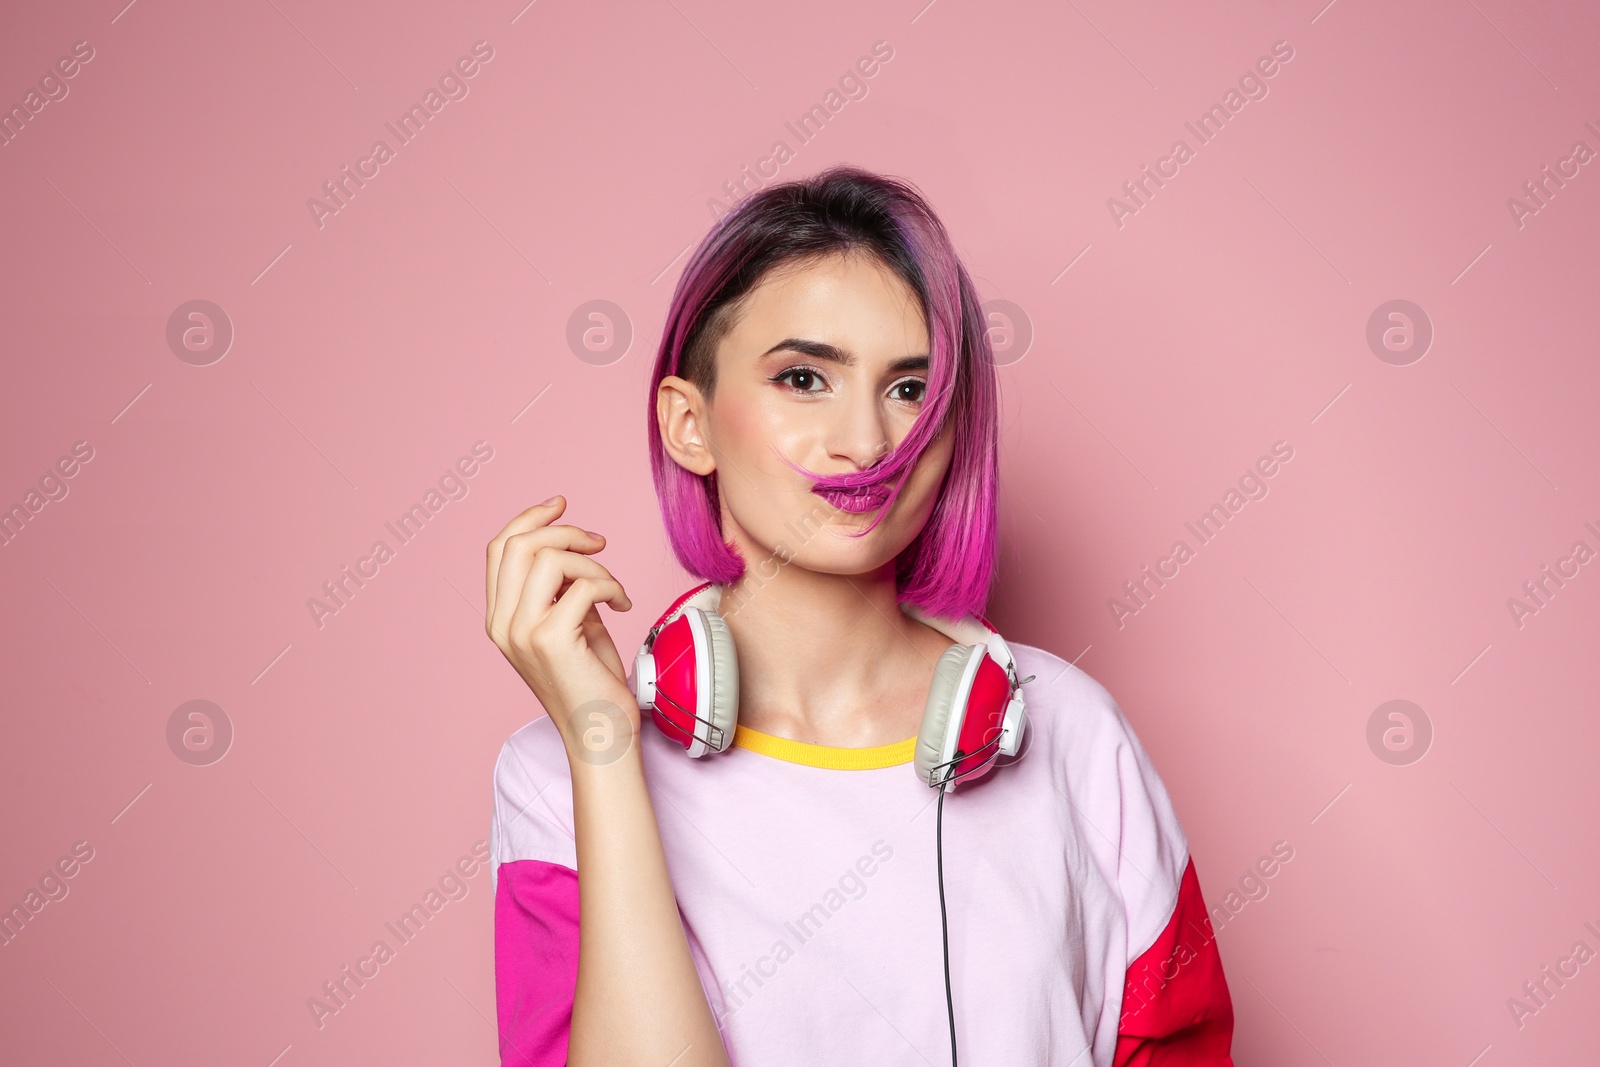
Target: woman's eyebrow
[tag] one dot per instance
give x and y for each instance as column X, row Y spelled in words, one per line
column 834, row 354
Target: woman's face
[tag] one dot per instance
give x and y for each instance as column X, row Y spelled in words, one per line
column 828, row 364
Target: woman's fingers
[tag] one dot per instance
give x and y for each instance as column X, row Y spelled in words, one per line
column 600, row 640
column 537, row 517
column 531, row 622
column 548, row 574
column 528, row 519
column 525, row 634
column 517, row 552
column 582, row 596
column 548, row 578
column 555, row 647
column 542, row 588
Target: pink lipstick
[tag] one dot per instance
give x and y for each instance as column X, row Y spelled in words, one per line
column 856, row 501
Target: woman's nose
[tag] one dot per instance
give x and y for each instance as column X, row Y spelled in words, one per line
column 860, row 431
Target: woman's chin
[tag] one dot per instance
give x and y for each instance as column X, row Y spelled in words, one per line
column 850, row 561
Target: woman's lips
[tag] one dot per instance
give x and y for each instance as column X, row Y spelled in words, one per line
column 855, row 501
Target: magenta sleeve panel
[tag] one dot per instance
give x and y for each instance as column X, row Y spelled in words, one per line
column 535, row 960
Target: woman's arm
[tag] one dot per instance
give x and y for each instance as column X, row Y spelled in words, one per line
column 638, row 999
column 538, row 937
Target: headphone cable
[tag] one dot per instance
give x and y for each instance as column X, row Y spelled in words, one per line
column 944, row 927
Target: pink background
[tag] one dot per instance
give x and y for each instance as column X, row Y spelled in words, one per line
column 370, row 353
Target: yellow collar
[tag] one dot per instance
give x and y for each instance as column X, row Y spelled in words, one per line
column 829, row 756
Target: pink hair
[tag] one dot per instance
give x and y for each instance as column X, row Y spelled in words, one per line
column 949, row 568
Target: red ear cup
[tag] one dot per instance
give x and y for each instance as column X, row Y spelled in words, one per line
column 665, row 681
column 688, row 676
column 966, row 719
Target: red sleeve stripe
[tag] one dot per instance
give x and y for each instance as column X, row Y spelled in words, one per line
column 1176, row 1011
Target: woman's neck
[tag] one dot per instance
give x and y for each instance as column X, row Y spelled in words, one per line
column 829, row 659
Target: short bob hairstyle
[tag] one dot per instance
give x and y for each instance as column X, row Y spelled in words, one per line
column 948, row 569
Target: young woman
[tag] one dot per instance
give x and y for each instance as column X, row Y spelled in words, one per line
column 823, row 430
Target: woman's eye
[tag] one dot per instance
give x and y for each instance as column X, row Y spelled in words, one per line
column 799, row 378
column 911, row 390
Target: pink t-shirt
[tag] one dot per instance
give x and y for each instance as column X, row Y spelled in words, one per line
column 805, row 877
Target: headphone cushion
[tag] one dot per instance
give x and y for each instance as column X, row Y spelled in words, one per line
column 937, row 713
column 723, row 710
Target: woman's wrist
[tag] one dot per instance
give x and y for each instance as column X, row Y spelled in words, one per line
column 597, row 731
column 601, row 745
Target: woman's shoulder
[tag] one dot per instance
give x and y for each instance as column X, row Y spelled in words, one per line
column 1069, row 705
column 1099, row 762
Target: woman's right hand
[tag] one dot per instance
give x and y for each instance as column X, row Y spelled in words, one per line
column 543, row 591
column 543, row 588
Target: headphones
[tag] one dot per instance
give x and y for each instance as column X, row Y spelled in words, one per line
column 687, row 675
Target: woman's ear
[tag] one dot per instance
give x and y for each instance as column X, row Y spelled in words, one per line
column 680, row 411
